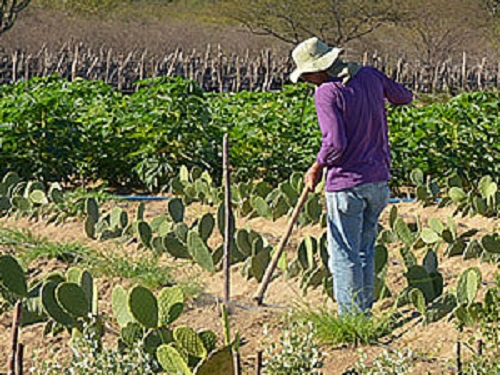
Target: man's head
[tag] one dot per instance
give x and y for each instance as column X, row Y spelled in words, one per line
column 313, row 58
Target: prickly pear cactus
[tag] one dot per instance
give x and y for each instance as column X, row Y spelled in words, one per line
column 52, row 307
column 145, row 233
column 157, row 244
column 418, row 277
column 243, row 242
column 92, row 209
column 171, row 360
column 430, row 262
column 209, row 339
column 170, row 305
column 176, row 210
column 118, row 218
column 306, row 252
column 175, row 247
column 491, row 243
column 38, row 197
column 90, row 227
column 72, row 299
column 403, row 232
column 131, row 333
column 381, row 258
column 441, row 307
column 206, row 226
column 119, row 300
column 12, row 276
column 11, row 179
column 219, row 362
column 200, row 252
column 418, row 300
column 5, row 204
column 468, row 285
column 189, row 340
column 259, row 264
column 21, row 204
column 429, row 236
column 143, row 306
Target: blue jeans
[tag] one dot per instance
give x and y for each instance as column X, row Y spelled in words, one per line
column 352, row 230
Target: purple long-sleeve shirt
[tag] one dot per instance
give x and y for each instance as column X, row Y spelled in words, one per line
column 353, row 121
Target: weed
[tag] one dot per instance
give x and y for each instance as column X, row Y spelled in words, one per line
column 357, row 329
column 30, row 247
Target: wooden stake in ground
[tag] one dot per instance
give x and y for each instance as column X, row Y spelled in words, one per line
column 19, row 359
column 11, row 366
column 227, row 229
column 259, row 297
column 258, row 363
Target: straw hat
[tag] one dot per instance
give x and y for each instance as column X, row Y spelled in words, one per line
column 312, row 55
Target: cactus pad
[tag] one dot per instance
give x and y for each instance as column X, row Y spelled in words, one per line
column 418, row 277
column 131, row 333
column 381, row 258
column 38, row 197
column 52, row 307
column 143, row 306
column 200, row 252
column 243, row 242
column 21, row 203
column 189, row 341
column 219, row 362
column 120, row 309
column 90, row 227
column 170, row 305
column 145, row 233
column 5, row 204
column 418, row 300
column 491, row 243
column 403, row 232
column 429, row 236
column 430, row 262
column 176, row 210
column 175, row 247
column 468, row 285
column 92, row 209
column 209, row 339
column 206, row 226
column 72, row 299
column 440, row 308
column 172, row 361
column 12, row 276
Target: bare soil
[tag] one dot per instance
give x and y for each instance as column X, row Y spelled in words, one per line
column 435, row 342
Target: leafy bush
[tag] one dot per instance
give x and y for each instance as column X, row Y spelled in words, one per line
column 81, row 131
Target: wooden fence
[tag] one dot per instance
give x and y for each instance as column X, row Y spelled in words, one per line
column 217, row 71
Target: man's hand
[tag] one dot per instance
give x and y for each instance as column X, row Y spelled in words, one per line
column 313, row 176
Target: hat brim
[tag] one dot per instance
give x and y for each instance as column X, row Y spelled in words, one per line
column 318, row 65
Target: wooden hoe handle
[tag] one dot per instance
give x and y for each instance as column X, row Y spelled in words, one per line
column 259, row 297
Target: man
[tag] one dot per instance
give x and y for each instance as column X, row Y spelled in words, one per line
column 350, row 104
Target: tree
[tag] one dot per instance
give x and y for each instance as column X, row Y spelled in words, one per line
column 291, row 21
column 439, row 28
column 9, row 9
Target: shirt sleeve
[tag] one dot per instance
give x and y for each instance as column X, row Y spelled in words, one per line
column 395, row 92
column 330, row 120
